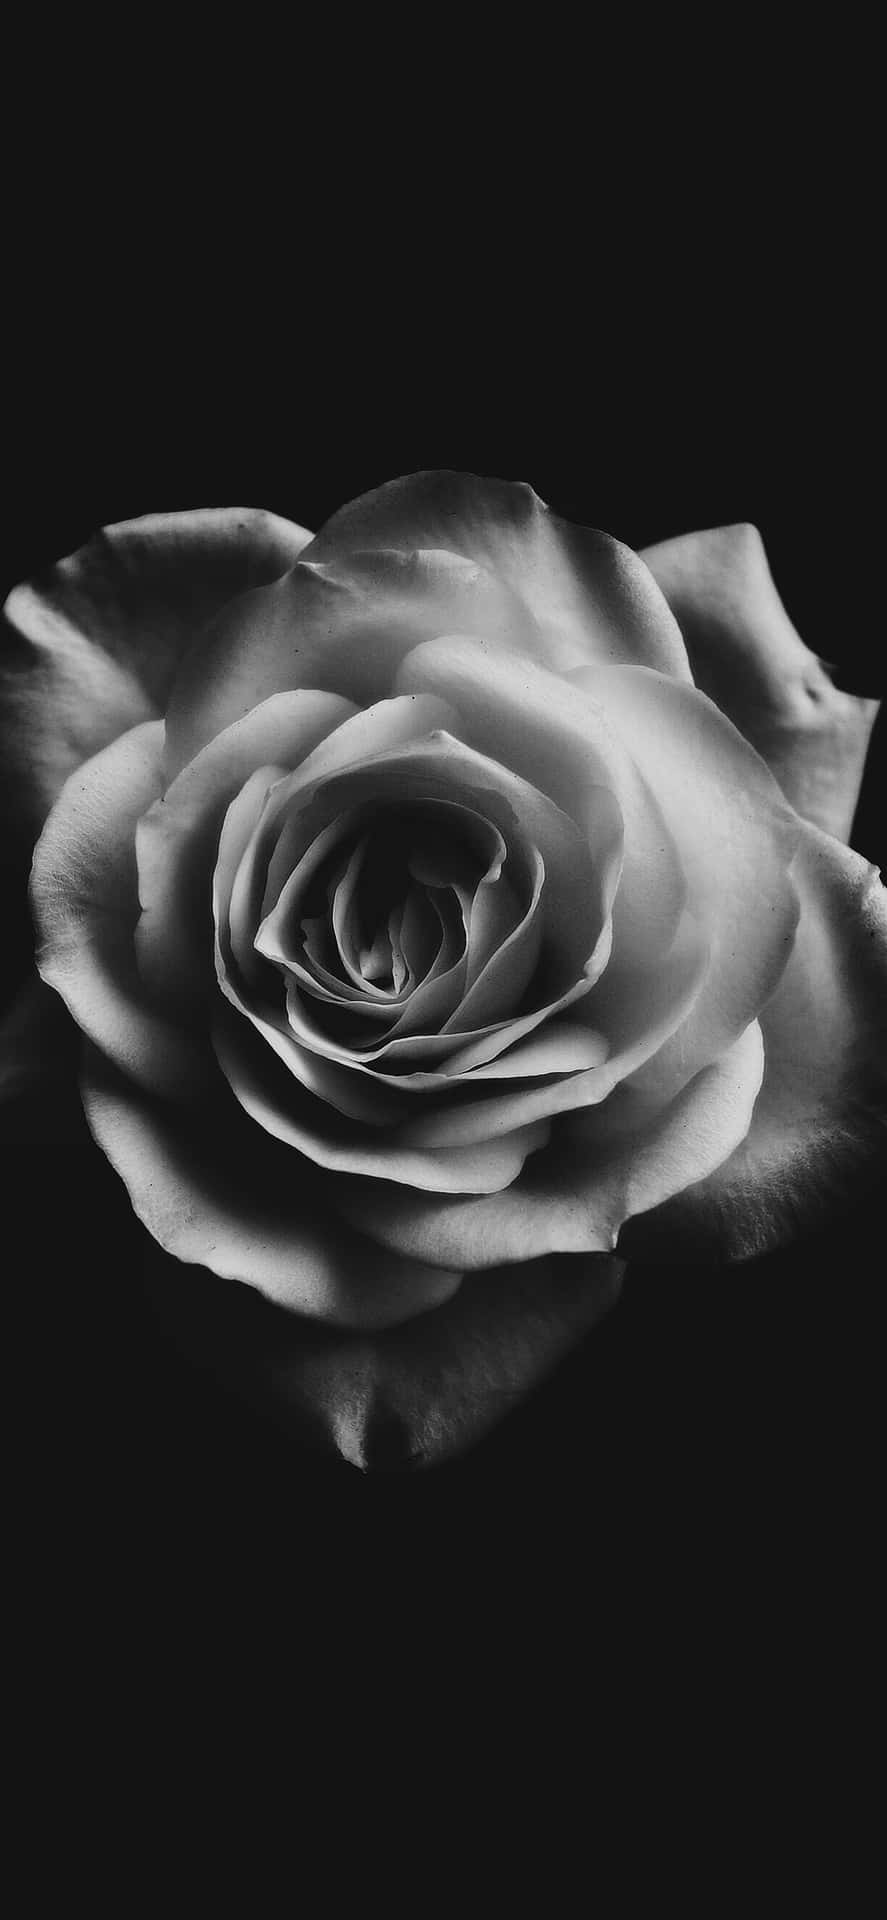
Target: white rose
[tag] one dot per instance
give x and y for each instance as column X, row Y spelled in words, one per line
column 426, row 920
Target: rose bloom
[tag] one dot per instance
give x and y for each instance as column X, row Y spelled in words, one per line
column 449, row 903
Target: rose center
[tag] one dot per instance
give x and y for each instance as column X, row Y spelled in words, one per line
column 379, row 911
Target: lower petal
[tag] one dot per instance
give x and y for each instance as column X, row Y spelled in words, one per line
column 576, row 1196
column 286, row 1111
column 212, row 1196
column 413, row 1395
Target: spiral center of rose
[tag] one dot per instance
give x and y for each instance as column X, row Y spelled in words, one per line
column 406, row 895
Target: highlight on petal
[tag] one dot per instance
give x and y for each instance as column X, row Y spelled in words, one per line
column 735, row 836
column 818, row 1138
column 745, row 653
column 598, row 1172
column 210, row 1195
column 343, row 626
column 90, row 647
column 590, row 596
column 176, row 839
column 85, row 904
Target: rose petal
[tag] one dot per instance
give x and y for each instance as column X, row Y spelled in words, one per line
column 591, row 597
column 581, row 867
column 176, row 839
column 411, row 1396
column 504, row 953
column 85, row 904
column 746, row 654
column 581, row 872
column 575, row 1197
column 381, row 729
column 563, row 1046
column 489, row 1044
column 210, row 1194
column 819, row 1133
column 90, row 646
column 343, row 627
column 282, row 1107
column 430, row 1002
column 518, row 713
column 636, row 1030
column 735, row 836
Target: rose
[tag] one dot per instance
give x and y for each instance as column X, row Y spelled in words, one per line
column 426, row 921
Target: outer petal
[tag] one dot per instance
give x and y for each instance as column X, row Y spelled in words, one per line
column 411, row 1396
column 591, row 597
column 746, row 654
column 85, row 904
column 91, row 646
column 343, row 626
column 575, row 1197
column 209, row 1193
column 819, row 1133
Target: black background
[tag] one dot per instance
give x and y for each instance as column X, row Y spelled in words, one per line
column 705, row 1467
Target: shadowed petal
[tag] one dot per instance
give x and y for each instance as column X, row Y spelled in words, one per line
column 85, row 904
column 746, row 654
column 575, row 1197
column 284, row 1108
column 90, row 647
column 819, row 1132
column 209, row 1194
column 176, row 839
column 411, row 1396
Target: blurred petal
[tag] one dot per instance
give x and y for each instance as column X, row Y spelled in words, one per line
column 210, row 1194
column 176, row 839
column 85, row 903
column 819, row 1133
column 90, row 647
column 410, row 1396
column 344, row 627
column 746, row 654
column 575, row 1197
column 591, row 597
